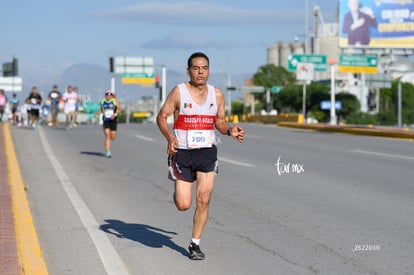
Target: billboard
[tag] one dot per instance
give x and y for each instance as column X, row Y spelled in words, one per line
column 376, row 23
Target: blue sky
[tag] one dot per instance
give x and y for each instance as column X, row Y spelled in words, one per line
column 48, row 36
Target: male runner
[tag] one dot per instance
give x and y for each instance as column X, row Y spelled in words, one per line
column 198, row 109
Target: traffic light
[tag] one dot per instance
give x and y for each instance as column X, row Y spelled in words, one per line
column 157, row 81
column 111, row 64
column 6, row 69
column 372, row 100
column 11, row 69
column 15, row 67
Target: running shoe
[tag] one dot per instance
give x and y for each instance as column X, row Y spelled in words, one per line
column 195, row 252
column 108, row 154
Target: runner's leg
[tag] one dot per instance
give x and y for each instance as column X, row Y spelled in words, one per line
column 182, row 195
column 204, row 188
column 107, row 132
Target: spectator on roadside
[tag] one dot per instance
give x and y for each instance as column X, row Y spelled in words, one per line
column 3, row 102
column 70, row 98
column 54, row 97
column 45, row 112
column 14, row 105
column 77, row 105
column 25, row 113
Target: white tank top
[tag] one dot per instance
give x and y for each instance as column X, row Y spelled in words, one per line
column 194, row 126
column 71, row 98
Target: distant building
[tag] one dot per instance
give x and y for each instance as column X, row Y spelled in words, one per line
column 325, row 41
column 279, row 53
column 392, row 62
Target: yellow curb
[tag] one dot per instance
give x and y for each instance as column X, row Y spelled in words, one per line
column 30, row 254
column 351, row 130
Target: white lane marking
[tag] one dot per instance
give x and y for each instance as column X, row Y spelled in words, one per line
column 107, row 253
column 383, row 154
column 145, row 138
column 244, row 164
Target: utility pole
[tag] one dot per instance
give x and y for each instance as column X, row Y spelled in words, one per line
column 163, row 83
column 112, row 72
column 113, row 83
column 399, row 107
column 229, row 89
column 304, row 101
column 306, row 26
column 332, row 120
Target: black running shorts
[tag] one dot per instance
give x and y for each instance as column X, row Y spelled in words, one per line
column 111, row 124
column 34, row 112
column 185, row 163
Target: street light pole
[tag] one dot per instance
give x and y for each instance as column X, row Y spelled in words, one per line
column 163, row 83
column 306, row 26
column 332, row 120
column 304, row 101
column 399, row 107
column 113, row 83
column 229, row 94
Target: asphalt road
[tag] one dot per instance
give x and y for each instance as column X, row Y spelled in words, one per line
column 285, row 202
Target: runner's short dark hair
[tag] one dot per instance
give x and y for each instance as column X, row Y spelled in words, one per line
column 195, row 55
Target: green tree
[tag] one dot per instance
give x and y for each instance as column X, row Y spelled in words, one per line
column 350, row 104
column 386, row 113
column 237, row 108
column 270, row 75
column 289, row 99
column 386, row 118
column 315, row 94
column 407, row 103
column 388, row 104
column 361, row 118
column 386, row 101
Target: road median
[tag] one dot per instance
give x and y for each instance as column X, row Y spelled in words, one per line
column 404, row 133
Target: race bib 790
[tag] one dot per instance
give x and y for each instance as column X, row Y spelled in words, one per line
column 199, row 138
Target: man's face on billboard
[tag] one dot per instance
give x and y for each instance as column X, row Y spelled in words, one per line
column 353, row 5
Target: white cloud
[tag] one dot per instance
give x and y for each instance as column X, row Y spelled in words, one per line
column 201, row 13
column 188, row 41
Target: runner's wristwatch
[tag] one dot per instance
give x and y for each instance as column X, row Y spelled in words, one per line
column 229, row 131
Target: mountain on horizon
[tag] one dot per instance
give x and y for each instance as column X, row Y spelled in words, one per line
column 94, row 80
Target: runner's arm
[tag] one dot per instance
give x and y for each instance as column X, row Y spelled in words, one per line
column 118, row 108
column 170, row 106
column 222, row 126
